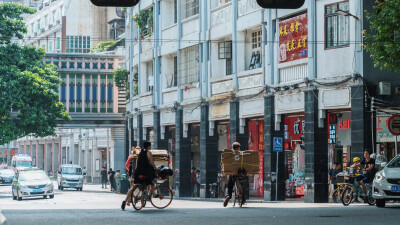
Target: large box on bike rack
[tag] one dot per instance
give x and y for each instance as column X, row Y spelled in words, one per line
column 232, row 161
column 160, row 157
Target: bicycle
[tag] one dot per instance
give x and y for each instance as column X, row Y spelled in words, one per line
column 216, row 189
column 161, row 199
column 349, row 194
column 239, row 187
column 337, row 193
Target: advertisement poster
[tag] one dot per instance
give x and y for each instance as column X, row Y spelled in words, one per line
column 382, row 130
column 294, row 129
column 260, row 188
column 293, row 34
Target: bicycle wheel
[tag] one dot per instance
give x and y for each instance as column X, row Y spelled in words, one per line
column 138, row 197
column 163, row 199
column 240, row 195
column 347, row 196
column 336, row 196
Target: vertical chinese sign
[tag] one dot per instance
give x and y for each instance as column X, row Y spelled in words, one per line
column 260, row 188
column 293, row 34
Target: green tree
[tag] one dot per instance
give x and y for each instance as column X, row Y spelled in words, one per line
column 103, row 46
column 382, row 40
column 121, row 78
column 28, row 103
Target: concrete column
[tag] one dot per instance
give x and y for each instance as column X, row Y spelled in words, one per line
column 360, row 122
column 56, row 156
column 234, row 127
column 271, row 193
column 53, row 158
column 118, row 139
column 127, row 139
column 316, row 141
column 182, row 158
column 48, row 157
column 33, row 154
column 140, row 137
column 208, row 153
column 158, row 142
column 40, row 156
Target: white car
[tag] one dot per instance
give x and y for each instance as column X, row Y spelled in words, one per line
column 386, row 184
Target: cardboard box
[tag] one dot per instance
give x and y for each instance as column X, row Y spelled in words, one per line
column 232, row 161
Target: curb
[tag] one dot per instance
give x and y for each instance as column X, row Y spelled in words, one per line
column 3, row 219
column 220, row 200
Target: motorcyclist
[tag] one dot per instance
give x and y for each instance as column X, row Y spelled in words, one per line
column 368, row 170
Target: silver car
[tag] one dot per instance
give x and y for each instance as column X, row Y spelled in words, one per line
column 386, row 184
column 6, row 176
column 70, row 176
column 31, row 183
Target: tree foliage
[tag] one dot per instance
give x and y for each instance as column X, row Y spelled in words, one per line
column 144, row 21
column 28, row 103
column 121, row 78
column 103, row 46
column 382, row 40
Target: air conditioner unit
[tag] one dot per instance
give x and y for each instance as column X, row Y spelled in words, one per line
column 58, row 21
column 384, row 88
column 50, row 26
column 42, row 29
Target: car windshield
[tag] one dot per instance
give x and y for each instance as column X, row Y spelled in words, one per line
column 24, row 163
column 37, row 175
column 395, row 163
column 7, row 172
column 72, row 170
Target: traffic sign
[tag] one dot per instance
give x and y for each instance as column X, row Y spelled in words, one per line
column 394, row 125
column 278, row 144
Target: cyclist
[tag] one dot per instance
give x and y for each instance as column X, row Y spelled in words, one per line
column 232, row 179
column 357, row 171
column 368, row 171
column 145, row 172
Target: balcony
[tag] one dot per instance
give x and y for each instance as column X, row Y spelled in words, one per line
column 170, row 95
column 250, row 81
column 221, row 20
column 146, row 100
column 169, row 35
column 293, row 73
column 221, row 85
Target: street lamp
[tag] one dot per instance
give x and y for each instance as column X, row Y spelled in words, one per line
column 346, row 13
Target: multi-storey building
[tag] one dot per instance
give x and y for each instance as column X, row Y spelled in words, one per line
column 212, row 72
column 67, row 30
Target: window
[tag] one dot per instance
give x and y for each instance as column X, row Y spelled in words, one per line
column 32, row 28
column 175, row 82
column 225, row 50
column 175, row 11
column 58, row 45
column 38, row 25
column 190, row 8
column 256, row 42
column 78, row 44
column 51, row 44
column 189, row 65
column 336, row 26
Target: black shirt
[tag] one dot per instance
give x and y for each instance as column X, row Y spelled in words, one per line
column 366, row 165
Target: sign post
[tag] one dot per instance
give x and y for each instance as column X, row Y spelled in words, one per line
column 278, row 147
column 394, row 128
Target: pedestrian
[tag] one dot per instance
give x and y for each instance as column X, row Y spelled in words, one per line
column 111, row 177
column 332, row 176
column 198, row 182
column 118, row 178
column 84, row 172
column 193, row 181
column 103, row 174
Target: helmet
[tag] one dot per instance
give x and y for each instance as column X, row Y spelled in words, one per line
column 356, row 159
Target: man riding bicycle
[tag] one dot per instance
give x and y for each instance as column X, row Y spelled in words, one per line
column 368, row 171
column 232, row 179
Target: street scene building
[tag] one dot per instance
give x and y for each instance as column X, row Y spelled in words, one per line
column 68, row 31
column 211, row 73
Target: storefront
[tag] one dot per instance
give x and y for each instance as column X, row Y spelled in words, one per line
column 294, row 156
column 256, row 143
column 385, row 141
column 339, row 138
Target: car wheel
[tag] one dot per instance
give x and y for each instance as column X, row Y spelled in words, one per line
column 44, row 196
column 18, row 198
column 51, row 196
column 380, row 203
column 80, row 189
column 61, row 188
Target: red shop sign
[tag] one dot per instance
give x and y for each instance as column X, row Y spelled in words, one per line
column 293, row 35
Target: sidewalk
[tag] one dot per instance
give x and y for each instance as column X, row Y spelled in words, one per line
column 3, row 220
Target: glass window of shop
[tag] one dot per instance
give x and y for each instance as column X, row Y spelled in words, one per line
column 294, row 156
column 339, row 138
column 385, row 141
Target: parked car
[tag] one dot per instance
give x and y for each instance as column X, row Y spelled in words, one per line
column 386, row 184
column 31, row 183
column 70, row 176
column 6, row 176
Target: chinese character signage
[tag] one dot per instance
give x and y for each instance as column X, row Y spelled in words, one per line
column 293, row 34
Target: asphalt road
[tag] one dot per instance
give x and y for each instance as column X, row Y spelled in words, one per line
column 98, row 206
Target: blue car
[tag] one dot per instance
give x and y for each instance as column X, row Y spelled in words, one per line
column 6, row 176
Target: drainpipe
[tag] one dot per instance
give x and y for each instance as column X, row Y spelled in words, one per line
column 207, row 85
column 156, row 62
column 312, row 37
column 270, row 48
column 234, row 45
column 179, row 8
column 131, row 55
column 139, row 65
column 263, row 40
